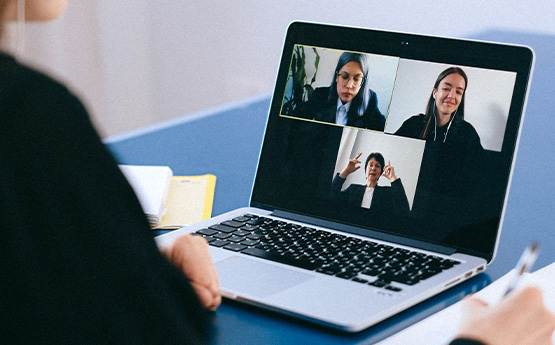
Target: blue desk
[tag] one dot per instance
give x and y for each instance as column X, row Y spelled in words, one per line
column 226, row 142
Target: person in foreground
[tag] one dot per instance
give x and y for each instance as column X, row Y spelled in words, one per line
column 78, row 261
column 79, row 265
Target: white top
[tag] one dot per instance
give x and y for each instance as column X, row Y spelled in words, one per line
column 367, row 198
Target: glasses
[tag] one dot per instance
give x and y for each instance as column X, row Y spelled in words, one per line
column 344, row 79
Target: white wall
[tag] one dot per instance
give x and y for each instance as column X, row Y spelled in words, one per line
column 139, row 62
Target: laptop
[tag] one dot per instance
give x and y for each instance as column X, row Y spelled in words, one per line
column 357, row 215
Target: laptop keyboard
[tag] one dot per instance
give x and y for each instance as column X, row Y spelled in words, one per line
column 359, row 260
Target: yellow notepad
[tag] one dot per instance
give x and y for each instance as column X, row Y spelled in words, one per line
column 189, row 200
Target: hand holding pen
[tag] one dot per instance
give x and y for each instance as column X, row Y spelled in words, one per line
column 523, row 265
column 521, row 318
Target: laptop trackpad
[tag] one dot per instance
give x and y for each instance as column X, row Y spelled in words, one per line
column 246, row 277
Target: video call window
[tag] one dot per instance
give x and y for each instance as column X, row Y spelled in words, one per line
column 381, row 92
column 432, row 132
column 321, row 79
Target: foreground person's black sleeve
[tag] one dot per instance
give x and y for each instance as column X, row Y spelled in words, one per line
column 78, row 262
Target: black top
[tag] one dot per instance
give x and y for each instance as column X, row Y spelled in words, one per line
column 320, row 108
column 386, row 200
column 79, row 264
column 460, row 132
column 446, row 202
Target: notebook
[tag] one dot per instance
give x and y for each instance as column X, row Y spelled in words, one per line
column 151, row 185
column 382, row 178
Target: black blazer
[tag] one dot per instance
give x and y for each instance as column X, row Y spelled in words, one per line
column 385, row 199
column 320, row 109
column 79, row 264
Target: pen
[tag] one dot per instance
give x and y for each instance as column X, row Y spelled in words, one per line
column 524, row 265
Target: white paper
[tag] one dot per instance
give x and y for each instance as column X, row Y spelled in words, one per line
column 151, row 184
column 440, row 327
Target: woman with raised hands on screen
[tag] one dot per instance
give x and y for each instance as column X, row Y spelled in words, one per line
column 371, row 196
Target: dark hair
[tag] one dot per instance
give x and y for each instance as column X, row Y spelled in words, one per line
column 378, row 157
column 431, row 107
column 363, row 96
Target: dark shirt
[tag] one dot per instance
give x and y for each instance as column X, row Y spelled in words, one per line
column 388, row 200
column 320, row 108
column 447, row 189
column 460, row 132
column 79, row 264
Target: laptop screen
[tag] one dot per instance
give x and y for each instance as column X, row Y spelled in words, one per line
column 402, row 134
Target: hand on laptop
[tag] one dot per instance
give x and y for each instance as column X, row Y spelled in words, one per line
column 519, row 319
column 190, row 254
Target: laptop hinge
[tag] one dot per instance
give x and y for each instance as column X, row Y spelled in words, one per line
column 366, row 232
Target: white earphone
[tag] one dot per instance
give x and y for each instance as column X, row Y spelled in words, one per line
column 448, row 126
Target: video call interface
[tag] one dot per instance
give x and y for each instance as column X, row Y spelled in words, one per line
column 404, row 146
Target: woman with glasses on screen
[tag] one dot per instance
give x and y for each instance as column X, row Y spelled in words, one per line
column 348, row 101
